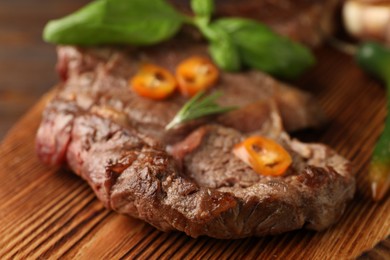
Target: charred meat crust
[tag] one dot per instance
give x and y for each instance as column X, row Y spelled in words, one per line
column 214, row 194
column 188, row 179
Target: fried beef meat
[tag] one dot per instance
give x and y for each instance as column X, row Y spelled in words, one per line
column 188, row 179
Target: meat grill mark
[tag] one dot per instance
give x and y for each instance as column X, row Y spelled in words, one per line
column 188, row 179
column 153, row 179
column 298, row 109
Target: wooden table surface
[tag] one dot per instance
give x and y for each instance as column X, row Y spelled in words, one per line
column 26, row 73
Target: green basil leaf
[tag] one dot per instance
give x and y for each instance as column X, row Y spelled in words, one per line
column 225, row 55
column 136, row 22
column 203, row 8
column 223, row 50
column 261, row 48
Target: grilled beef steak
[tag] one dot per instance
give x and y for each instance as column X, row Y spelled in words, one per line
column 100, row 77
column 307, row 21
column 188, row 179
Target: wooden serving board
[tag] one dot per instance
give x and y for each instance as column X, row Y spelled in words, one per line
column 47, row 212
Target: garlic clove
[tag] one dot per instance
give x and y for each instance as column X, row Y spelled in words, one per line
column 367, row 20
column 352, row 16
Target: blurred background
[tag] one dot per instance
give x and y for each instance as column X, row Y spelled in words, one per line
column 26, row 62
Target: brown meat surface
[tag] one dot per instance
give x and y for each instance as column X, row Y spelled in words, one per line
column 99, row 77
column 204, row 191
column 188, row 179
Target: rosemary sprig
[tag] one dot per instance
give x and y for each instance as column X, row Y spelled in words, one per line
column 197, row 107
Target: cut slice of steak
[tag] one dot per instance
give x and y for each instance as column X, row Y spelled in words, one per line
column 307, row 21
column 314, row 190
column 199, row 187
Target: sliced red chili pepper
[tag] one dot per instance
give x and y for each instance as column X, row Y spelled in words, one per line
column 153, row 82
column 263, row 155
column 196, row 74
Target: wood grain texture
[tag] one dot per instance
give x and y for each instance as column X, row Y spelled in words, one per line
column 48, row 212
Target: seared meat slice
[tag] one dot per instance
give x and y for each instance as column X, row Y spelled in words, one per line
column 188, row 179
column 99, row 77
column 314, row 190
column 199, row 186
column 307, row 21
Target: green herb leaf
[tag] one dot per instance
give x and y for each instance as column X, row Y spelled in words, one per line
column 221, row 47
column 223, row 50
column 197, row 107
column 225, row 55
column 203, row 8
column 374, row 58
column 136, row 22
column 261, row 48
column 233, row 41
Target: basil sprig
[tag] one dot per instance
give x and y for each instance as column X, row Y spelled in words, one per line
column 203, row 8
column 135, row 22
column 234, row 43
column 262, row 49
